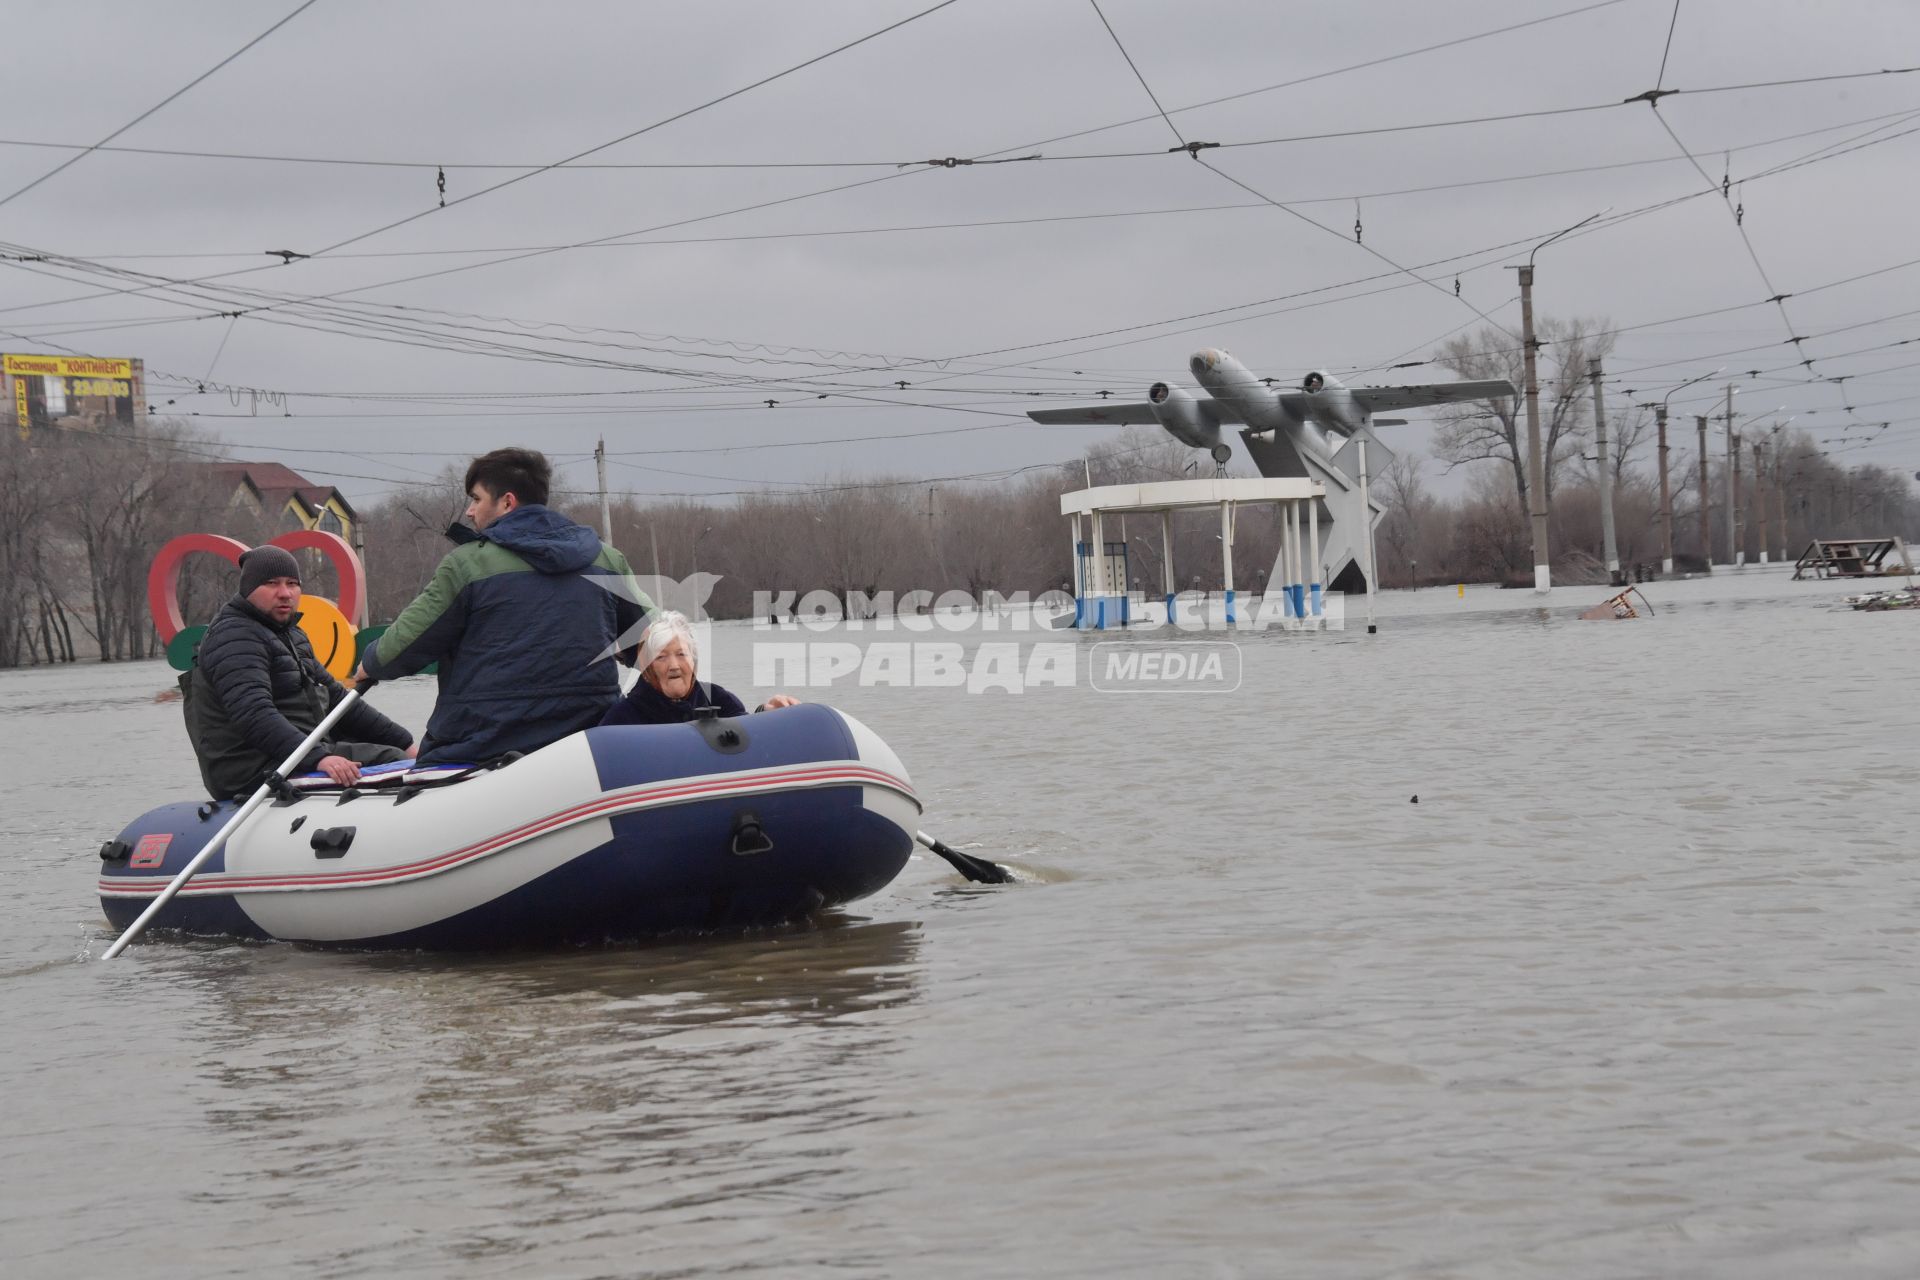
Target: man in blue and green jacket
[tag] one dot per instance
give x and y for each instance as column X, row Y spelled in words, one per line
column 518, row 619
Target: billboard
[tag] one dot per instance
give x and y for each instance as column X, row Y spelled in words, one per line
column 88, row 392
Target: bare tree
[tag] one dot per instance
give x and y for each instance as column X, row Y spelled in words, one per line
column 1403, row 492
column 1495, row 430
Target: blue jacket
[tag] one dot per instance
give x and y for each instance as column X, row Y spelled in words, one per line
column 524, row 632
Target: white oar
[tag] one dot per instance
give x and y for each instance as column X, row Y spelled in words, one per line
column 246, row 810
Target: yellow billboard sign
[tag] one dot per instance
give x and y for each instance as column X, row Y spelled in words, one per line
column 68, row 367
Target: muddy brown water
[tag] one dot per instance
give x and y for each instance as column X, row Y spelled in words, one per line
column 1634, row 989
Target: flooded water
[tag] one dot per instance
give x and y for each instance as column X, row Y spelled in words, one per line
column 1632, row 990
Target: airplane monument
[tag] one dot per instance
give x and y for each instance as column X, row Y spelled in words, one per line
column 1288, row 434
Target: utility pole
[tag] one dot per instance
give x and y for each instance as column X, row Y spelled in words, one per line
column 1608, row 544
column 1536, row 463
column 939, row 549
column 1760, row 493
column 1706, row 533
column 1536, row 466
column 606, row 511
column 1780, row 501
column 1733, row 533
column 1739, row 556
column 1666, row 496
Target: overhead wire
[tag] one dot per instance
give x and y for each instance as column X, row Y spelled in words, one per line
column 629, row 136
column 888, row 177
column 890, row 163
column 1342, row 198
column 1157, row 105
column 197, row 80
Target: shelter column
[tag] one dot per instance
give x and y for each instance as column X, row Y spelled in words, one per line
column 1366, row 510
column 1226, row 553
column 1295, row 561
column 1079, row 577
column 1166, row 560
column 1313, row 554
column 1098, row 565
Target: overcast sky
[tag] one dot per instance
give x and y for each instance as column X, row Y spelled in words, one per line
column 672, row 339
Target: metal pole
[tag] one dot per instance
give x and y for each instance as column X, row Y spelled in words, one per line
column 1733, row 534
column 1607, row 541
column 1666, row 497
column 606, row 512
column 1536, row 465
column 1760, row 493
column 1706, row 532
column 1366, row 508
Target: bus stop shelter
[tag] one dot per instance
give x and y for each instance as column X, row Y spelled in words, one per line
column 1100, row 566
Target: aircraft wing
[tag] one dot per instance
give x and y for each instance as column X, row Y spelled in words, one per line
column 1116, row 413
column 1140, row 413
column 1374, row 399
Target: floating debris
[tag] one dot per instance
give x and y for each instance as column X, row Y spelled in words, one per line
column 1907, row 597
column 1618, row 607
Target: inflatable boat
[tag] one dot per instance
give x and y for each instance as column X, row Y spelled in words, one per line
column 609, row 834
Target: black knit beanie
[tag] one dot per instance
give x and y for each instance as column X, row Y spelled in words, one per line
column 263, row 563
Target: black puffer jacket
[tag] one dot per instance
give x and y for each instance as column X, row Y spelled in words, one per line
column 256, row 691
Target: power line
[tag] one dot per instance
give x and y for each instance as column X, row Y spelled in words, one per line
column 911, row 362
column 1321, row 75
column 431, row 165
column 848, row 186
column 1341, row 198
column 628, row 137
column 1135, row 68
column 1673, row 22
column 73, row 160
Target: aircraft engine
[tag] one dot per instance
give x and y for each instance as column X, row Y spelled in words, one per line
column 1181, row 415
column 1333, row 403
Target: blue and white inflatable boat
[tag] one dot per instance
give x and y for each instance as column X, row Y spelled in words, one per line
column 609, row 834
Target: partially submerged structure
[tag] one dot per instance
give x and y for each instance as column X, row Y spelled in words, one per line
column 1852, row 558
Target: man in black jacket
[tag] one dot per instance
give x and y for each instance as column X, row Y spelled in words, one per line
column 256, row 690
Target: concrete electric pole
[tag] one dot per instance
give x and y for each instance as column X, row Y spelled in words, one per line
column 1780, row 502
column 1706, row 532
column 1536, row 470
column 1760, row 493
column 1666, row 496
column 1608, row 545
column 606, row 511
column 1733, row 534
column 1739, row 556
column 1536, row 461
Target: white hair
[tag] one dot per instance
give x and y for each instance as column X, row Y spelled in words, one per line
column 666, row 627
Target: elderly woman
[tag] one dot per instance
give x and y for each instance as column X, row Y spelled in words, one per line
column 667, row 691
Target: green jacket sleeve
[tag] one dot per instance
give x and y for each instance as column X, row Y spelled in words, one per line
column 428, row 628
